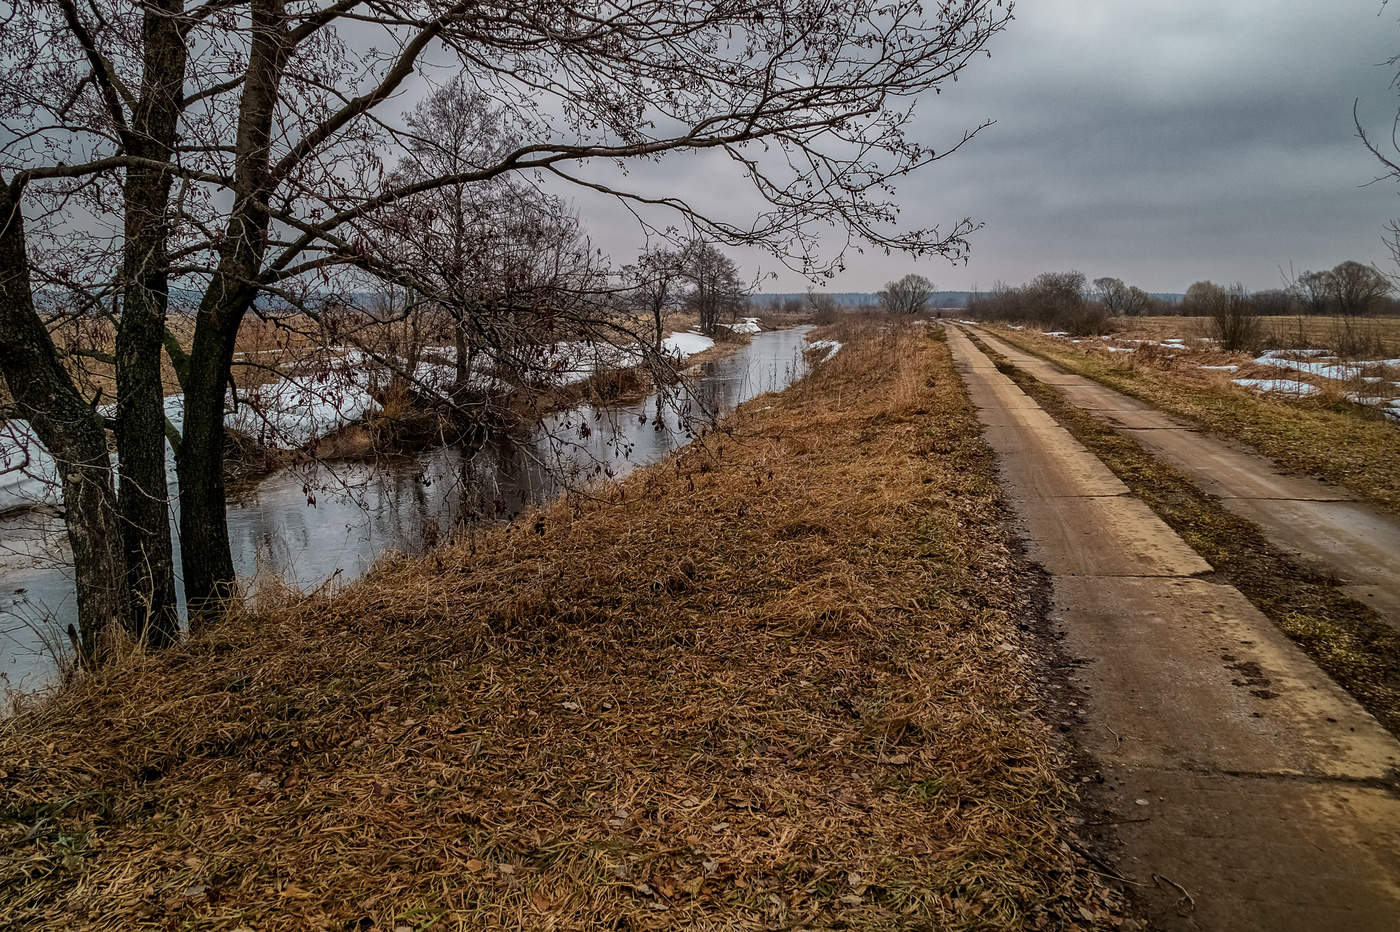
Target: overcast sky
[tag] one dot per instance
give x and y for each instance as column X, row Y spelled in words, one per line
column 1160, row 141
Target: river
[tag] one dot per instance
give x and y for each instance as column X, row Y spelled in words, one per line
column 327, row 525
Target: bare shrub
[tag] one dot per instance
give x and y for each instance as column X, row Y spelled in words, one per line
column 824, row 308
column 908, row 296
column 1090, row 319
column 1356, row 338
column 1234, row 320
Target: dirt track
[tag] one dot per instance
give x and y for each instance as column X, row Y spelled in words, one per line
column 1247, row 789
column 1311, row 520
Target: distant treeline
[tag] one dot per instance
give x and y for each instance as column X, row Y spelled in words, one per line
column 1068, row 301
column 872, row 298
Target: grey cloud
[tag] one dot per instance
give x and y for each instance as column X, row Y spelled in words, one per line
column 1161, row 141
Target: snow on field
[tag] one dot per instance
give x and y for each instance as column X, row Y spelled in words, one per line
column 686, row 344
column 1327, row 370
column 1056, row 333
column 1221, row 368
column 827, row 348
column 1371, row 401
column 745, row 325
column 1321, row 363
column 1275, row 353
column 1279, row 386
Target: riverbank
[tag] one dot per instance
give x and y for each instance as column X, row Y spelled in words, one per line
column 777, row 680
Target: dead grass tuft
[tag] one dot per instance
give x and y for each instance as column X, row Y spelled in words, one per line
column 776, row 682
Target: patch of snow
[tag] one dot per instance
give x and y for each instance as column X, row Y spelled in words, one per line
column 745, row 325
column 1372, row 401
column 686, row 344
column 1117, row 349
column 1278, row 386
column 1277, row 353
column 28, row 475
column 1221, row 368
column 296, row 411
column 1056, row 333
column 827, row 348
column 1336, row 370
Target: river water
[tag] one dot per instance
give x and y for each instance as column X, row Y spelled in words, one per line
column 327, row 525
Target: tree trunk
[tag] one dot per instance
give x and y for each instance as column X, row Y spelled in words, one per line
column 657, row 306
column 462, row 362
column 204, row 547
column 73, row 433
column 140, row 430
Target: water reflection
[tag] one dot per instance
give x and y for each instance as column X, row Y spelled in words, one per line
column 329, row 525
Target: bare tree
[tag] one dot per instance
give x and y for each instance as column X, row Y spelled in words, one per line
column 1314, row 291
column 716, row 291
column 908, row 296
column 823, row 307
column 1356, row 288
column 1120, row 299
column 657, row 280
column 1234, row 319
column 1203, row 299
column 236, row 150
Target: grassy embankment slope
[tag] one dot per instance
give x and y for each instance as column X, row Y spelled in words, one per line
column 779, row 681
column 1322, row 436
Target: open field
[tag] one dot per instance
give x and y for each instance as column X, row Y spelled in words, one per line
column 1324, row 435
column 1380, row 333
column 780, row 680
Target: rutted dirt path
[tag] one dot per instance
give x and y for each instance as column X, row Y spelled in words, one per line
column 1319, row 523
column 1247, row 790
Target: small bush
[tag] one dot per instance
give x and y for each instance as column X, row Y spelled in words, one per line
column 1234, row 320
column 1089, row 320
column 823, row 307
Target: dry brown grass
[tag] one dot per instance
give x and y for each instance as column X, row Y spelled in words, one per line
column 778, row 682
column 1378, row 335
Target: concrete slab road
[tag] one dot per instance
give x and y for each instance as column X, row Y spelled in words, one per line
column 1316, row 523
column 1249, row 791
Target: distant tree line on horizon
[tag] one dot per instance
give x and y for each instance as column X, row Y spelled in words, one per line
column 1068, row 301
